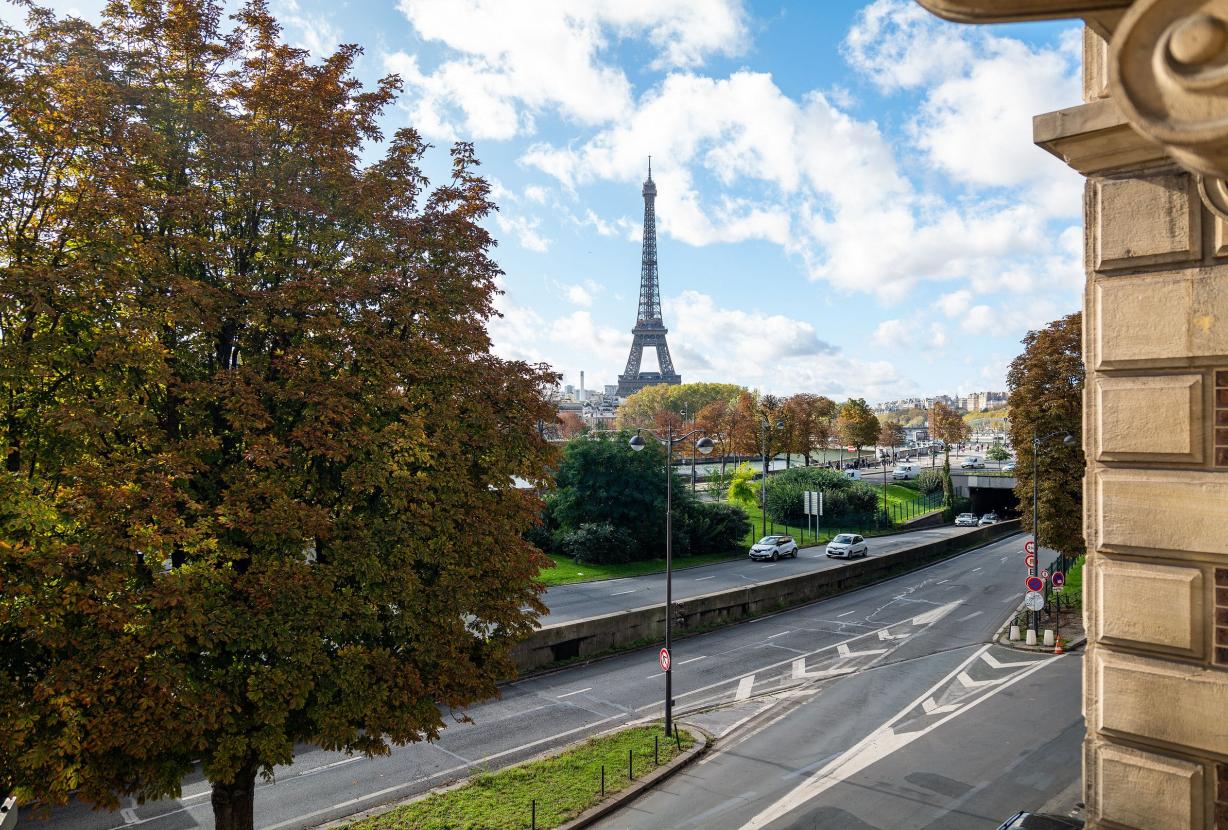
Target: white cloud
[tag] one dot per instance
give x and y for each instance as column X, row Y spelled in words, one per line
column 513, row 61
column 314, row 32
column 901, row 45
column 890, row 333
column 955, row 303
column 537, row 193
column 525, row 230
column 579, row 295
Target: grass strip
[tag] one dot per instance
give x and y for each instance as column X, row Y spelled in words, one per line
column 564, row 785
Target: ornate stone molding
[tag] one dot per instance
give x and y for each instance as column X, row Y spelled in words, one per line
column 1167, row 66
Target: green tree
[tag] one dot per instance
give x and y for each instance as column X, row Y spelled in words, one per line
column 258, row 480
column 856, row 424
column 653, row 405
column 998, row 453
column 949, row 427
column 890, row 434
column 1046, row 396
column 742, row 489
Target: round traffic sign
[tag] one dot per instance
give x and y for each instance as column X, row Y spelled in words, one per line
column 1059, row 579
column 1029, row 546
column 1030, row 560
column 1035, row 583
column 1044, row 574
column 1033, row 601
column 663, row 659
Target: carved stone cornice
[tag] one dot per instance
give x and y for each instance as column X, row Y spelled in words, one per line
column 1167, row 67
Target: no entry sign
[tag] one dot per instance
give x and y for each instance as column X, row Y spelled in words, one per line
column 663, row 659
column 1029, row 546
column 1034, row 583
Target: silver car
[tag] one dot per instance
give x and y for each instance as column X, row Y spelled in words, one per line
column 848, row 545
column 773, row 547
column 965, row 520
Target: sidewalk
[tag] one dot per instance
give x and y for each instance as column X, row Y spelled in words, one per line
column 1070, row 629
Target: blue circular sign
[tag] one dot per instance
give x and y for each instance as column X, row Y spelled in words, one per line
column 1035, row 583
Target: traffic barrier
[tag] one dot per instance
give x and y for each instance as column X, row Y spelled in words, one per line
column 606, row 633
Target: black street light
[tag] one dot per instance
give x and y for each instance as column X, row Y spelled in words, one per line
column 704, row 445
column 763, row 483
column 1068, row 440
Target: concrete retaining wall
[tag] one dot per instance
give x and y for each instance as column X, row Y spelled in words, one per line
column 594, row 635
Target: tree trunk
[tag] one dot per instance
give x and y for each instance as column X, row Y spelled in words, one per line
column 232, row 801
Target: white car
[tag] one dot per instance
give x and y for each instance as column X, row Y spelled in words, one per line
column 965, row 520
column 989, row 519
column 848, row 545
column 906, row 471
column 773, row 547
column 1008, row 467
column 972, row 462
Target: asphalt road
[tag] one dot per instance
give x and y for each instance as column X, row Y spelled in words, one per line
column 834, row 672
column 590, row 599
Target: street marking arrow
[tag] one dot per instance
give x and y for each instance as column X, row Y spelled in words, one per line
column 932, row 708
column 997, row 664
column 883, row 635
column 937, row 614
column 974, row 684
column 845, row 652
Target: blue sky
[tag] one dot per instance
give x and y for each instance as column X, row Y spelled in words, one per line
column 849, row 202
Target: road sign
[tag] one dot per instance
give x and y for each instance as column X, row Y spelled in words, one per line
column 1029, row 546
column 1030, row 560
column 812, row 502
column 1044, row 574
column 663, row 659
column 1035, row 583
column 1033, row 601
column 1059, row 579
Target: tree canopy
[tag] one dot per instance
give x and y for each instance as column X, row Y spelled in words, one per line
column 647, row 407
column 1046, row 398
column 856, row 424
column 258, row 458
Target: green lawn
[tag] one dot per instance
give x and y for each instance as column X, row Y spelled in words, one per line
column 566, row 571
column 563, row 786
column 1072, row 594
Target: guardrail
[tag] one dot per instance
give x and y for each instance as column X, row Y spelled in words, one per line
column 635, row 627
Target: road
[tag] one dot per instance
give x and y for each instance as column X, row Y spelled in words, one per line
column 858, row 658
column 590, row 599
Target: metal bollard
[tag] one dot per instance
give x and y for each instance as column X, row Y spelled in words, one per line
column 630, row 768
column 656, row 750
column 678, row 736
column 603, row 780
column 534, row 820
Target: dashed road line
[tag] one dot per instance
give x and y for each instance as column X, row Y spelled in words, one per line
column 576, row 692
column 780, row 634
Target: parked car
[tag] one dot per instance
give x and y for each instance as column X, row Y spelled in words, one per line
column 848, row 545
column 965, row 520
column 972, row 462
column 1008, row 467
column 1040, row 821
column 853, row 475
column 773, row 547
column 989, row 519
column 906, row 471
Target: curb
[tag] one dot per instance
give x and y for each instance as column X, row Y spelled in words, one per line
column 1001, row 638
column 623, row 797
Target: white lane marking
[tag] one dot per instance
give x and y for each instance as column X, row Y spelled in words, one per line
column 702, row 578
column 781, row 634
column 883, row 635
column 967, row 617
column 877, row 745
column 974, row 570
column 846, row 613
column 937, row 614
column 1011, row 598
column 576, row 692
column 323, row 767
column 620, row 593
column 692, row 660
column 939, row 583
column 969, row 683
column 744, row 687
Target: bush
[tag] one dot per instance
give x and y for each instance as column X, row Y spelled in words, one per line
column 842, row 497
column 717, row 528
column 597, row 543
column 930, row 481
column 544, row 535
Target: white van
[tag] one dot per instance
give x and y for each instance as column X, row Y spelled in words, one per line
column 972, row 462
column 853, row 475
column 906, row 470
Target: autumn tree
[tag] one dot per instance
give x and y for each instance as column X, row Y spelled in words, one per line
column 1046, row 399
column 570, row 424
column 808, row 423
column 949, row 427
column 258, row 459
column 856, row 424
column 890, row 434
column 659, row 403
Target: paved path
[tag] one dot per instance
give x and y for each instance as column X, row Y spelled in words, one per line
column 834, row 672
column 590, row 599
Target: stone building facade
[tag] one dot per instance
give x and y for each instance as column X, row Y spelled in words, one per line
column 1152, row 139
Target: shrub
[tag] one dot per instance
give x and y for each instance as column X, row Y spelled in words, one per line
column 717, row 528
column 842, row 497
column 598, row 543
column 930, row 481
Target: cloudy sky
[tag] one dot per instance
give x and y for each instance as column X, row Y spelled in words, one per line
column 848, row 203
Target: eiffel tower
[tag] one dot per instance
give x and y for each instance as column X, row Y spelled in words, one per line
column 649, row 329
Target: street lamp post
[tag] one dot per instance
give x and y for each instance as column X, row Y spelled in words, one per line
column 704, row 445
column 1068, row 440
